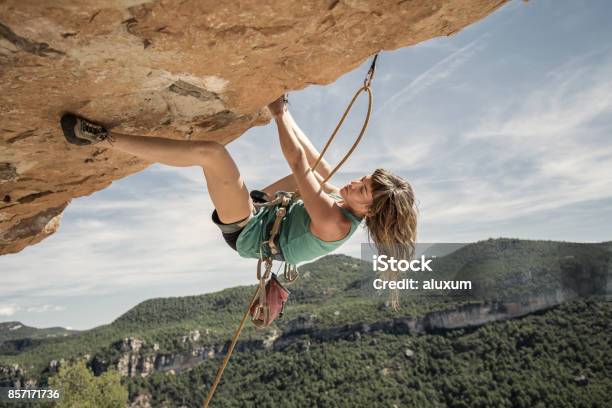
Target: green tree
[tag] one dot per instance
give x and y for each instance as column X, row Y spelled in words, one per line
column 81, row 389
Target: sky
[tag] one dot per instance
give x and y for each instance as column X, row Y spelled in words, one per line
column 503, row 129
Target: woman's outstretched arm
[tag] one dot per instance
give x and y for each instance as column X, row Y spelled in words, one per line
column 288, row 183
column 327, row 221
column 323, row 168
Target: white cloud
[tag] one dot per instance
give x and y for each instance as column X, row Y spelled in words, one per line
column 439, row 71
column 553, row 133
column 550, row 113
column 45, row 309
column 109, row 243
column 8, row 309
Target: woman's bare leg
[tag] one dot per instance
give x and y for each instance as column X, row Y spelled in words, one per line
column 227, row 190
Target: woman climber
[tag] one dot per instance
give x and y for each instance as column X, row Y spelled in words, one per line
column 324, row 217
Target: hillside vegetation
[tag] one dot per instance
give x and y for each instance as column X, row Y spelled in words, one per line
column 339, row 345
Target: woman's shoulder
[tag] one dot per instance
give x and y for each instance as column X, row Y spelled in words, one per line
column 348, row 215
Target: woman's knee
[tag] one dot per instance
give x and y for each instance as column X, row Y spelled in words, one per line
column 206, row 151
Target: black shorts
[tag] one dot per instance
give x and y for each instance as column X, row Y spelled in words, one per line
column 231, row 231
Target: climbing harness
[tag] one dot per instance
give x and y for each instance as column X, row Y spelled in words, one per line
column 268, row 301
column 272, row 295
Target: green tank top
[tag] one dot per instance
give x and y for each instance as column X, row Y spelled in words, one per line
column 295, row 239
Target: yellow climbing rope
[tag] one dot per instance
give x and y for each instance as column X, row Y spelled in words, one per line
column 267, row 261
column 230, row 349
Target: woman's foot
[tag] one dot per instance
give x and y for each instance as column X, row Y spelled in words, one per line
column 80, row 131
column 279, row 106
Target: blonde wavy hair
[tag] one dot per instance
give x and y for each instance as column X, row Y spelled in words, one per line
column 392, row 221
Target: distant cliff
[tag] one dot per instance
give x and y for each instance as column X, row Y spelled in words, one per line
column 132, row 360
column 301, row 331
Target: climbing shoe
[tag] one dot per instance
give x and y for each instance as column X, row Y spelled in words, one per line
column 82, row 132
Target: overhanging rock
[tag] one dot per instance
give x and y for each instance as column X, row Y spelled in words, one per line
column 190, row 69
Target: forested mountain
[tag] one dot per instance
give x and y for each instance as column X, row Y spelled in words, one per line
column 337, row 343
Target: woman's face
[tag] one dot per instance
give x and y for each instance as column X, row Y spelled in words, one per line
column 357, row 195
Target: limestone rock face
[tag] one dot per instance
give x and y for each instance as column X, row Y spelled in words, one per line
column 130, row 361
column 190, row 69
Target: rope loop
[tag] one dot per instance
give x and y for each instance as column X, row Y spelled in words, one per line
column 365, row 88
column 359, row 137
